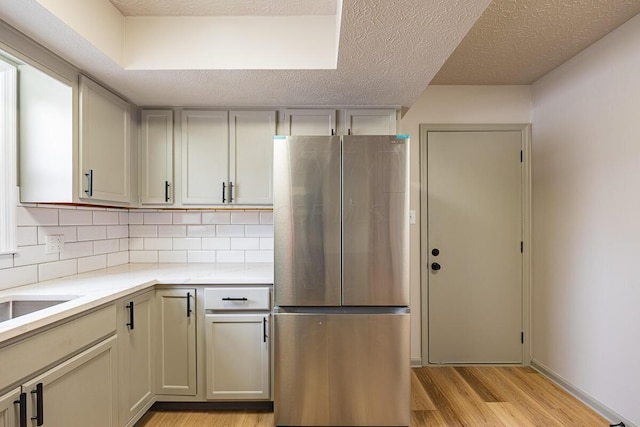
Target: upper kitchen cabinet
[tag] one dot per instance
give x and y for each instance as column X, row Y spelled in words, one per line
column 105, row 144
column 227, row 157
column 205, row 157
column 156, row 157
column 251, row 157
column 303, row 122
column 370, row 122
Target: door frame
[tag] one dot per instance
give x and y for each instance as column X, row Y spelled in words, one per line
column 525, row 131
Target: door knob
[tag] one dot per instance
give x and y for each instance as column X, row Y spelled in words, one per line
column 435, row 266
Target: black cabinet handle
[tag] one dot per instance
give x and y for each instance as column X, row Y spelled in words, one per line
column 224, row 189
column 264, row 330
column 435, row 266
column 89, row 190
column 189, row 304
column 230, row 192
column 130, row 307
column 39, row 405
column 234, row 299
column 22, row 408
column 166, row 191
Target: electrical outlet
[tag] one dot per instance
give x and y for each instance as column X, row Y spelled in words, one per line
column 54, row 244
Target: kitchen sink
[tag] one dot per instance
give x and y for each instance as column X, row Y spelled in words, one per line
column 13, row 306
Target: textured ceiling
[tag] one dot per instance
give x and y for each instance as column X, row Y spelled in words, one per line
column 224, row 7
column 519, row 41
column 389, row 51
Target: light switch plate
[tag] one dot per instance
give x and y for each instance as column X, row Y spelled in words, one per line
column 412, row 217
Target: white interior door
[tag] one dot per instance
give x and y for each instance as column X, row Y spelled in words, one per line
column 474, row 246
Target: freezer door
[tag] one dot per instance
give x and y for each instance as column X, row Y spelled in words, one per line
column 376, row 221
column 342, row 370
column 306, row 210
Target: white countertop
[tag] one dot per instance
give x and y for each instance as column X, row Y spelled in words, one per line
column 102, row 286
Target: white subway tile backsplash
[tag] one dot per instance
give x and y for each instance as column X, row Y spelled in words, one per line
column 245, row 243
column 266, row 217
column 135, row 244
column 201, row 256
column 117, row 231
column 259, row 256
column 201, row 231
column 92, row 232
column 157, row 218
column 266, row 243
column 245, row 217
column 124, row 244
column 216, row 218
column 216, row 243
column 143, row 256
column 172, row 256
column 106, row 246
column 259, row 230
column 77, row 250
column 156, row 243
column 27, row 236
column 187, row 218
column 172, row 231
column 75, row 217
column 92, row 263
column 13, row 277
column 123, row 218
column 105, row 218
column 230, row 230
column 70, row 233
column 230, row 256
column 143, row 231
column 26, row 216
column 187, row 244
column 53, row 270
column 6, row 261
column 136, row 218
column 117, row 258
column 33, row 255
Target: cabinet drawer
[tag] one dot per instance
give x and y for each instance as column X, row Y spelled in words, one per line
column 237, row 298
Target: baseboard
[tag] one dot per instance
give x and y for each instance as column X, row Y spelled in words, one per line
column 597, row 406
column 416, row 363
column 213, row 405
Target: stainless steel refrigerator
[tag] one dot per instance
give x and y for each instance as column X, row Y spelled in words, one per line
column 341, row 224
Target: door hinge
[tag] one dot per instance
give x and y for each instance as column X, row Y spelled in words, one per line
column 521, row 156
column 521, row 337
column 521, row 247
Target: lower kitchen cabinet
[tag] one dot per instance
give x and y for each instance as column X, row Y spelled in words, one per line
column 238, row 361
column 136, row 382
column 176, row 343
column 10, row 406
column 78, row 392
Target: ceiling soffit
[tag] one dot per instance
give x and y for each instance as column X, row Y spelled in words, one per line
column 518, row 41
column 225, row 7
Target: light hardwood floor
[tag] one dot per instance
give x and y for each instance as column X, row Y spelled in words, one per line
column 444, row 396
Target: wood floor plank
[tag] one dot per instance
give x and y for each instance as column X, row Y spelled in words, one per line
column 443, row 397
column 420, row 400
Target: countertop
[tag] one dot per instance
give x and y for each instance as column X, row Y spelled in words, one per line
column 99, row 287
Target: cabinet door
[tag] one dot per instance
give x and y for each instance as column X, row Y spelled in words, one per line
column 251, row 160
column 309, row 122
column 238, row 356
column 104, row 144
column 136, row 373
column 371, row 122
column 10, row 408
column 79, row 392
column 176, row 343
column 156, row 157
column 205, row 157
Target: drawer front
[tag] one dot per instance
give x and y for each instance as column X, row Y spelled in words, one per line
column 237, row 298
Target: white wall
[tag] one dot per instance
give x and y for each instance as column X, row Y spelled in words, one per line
column 455, row 105
column 586, row 221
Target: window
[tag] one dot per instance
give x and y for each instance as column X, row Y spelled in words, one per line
column 8, row 164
